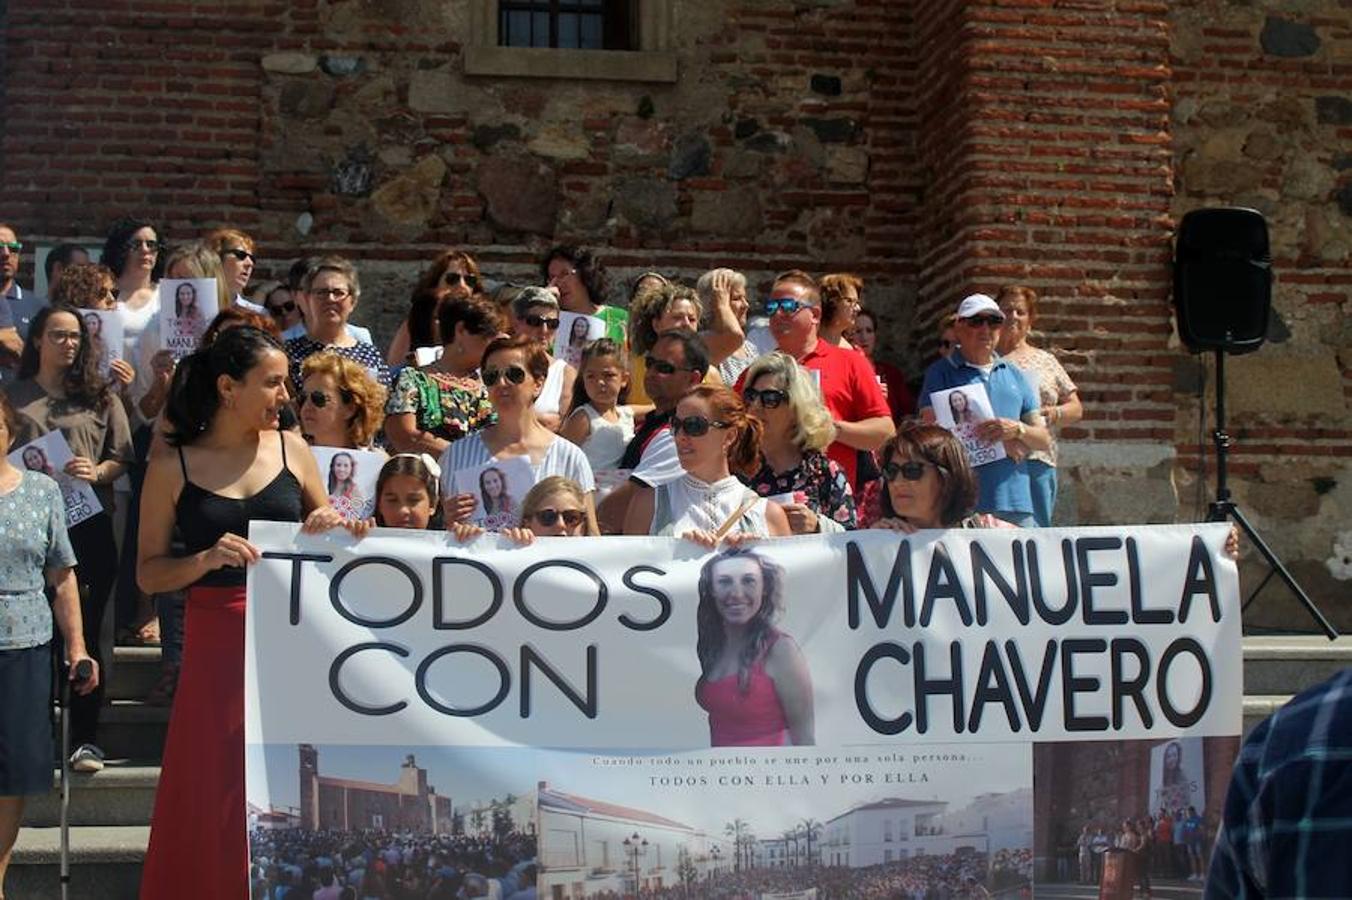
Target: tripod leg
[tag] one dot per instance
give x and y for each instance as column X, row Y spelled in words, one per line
column 1283, row 574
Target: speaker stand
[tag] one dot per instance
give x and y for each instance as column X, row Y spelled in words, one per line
column 1224, row 509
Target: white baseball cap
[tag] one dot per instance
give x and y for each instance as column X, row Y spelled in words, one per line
column 976, row 304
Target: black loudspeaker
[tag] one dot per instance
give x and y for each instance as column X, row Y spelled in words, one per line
column 1223, row 280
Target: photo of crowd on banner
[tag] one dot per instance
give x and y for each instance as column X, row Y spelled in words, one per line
column 173, row 395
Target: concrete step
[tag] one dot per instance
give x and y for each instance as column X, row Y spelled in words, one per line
column 135, row 672
column 129, row 729
column 122, row 794
column 1259, row 707
column 1289, row 664
column 105, row 863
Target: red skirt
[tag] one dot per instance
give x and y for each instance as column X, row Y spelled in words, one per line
column 198, row 842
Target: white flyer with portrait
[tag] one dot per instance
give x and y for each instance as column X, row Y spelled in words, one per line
column 187, row 306
column 576, row 331
column 105, row 336
column 350, row 479
column 49, row 455
column 498, row 487
column 961, row 410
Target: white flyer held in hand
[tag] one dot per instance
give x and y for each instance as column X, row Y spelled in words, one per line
column 961, row 410
column 49, row 455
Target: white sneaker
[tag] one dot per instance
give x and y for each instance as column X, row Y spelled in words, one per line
column 87, row 758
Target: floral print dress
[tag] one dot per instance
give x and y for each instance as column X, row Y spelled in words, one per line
column 445, row 405
column 817, row 482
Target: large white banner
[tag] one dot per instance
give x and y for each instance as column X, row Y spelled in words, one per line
column 609, row 710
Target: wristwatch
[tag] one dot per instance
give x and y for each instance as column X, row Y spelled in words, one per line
column 1022, row 431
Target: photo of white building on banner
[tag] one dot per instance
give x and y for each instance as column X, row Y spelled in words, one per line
column 894, row 829
column 590, row 847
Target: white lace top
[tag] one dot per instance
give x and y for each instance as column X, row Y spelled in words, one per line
column 605, row 445
column 688, row 504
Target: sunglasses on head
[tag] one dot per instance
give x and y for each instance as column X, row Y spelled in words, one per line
column 769, row 398
column 787, row 305
column 455, row 279
column 514, row 374
column 239, row 253
column 911, row 470
column 550, row 517
column 319, row 398
column 662, row 367
column 695, row 426
column 534, row 321
column 978, row 321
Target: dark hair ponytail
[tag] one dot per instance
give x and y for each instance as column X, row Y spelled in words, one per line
column 194, row 398
column 601, row 348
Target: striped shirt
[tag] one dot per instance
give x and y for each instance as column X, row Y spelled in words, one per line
column 1287, row 829
column 562, row 458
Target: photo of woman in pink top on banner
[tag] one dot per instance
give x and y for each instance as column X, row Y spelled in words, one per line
column 754, row 681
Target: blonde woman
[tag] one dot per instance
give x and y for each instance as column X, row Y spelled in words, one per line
column 795, row 471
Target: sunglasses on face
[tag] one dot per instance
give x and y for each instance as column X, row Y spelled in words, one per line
column 989, row 321
column 911, row 470
column 787, row 305
column 318, row 398
column 239, row 253
column 534, row 321
column 550, row 517
column 514, row 374
column 769, row 398
column 695, row 426
column 662, row 367
column 11, row 246
column 455, row 279
column 144, row 244
column 282, row 309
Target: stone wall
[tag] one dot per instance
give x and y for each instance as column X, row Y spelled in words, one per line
column 1262, row 115
column 936, row 146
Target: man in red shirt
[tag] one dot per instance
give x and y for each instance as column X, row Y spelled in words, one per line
column 845, row 378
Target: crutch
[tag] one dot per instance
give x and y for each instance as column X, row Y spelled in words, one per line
column 83, row 670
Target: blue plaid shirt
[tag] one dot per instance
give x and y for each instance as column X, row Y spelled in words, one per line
column 1288, row 813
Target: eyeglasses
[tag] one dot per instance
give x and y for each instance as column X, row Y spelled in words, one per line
column 695, row 426
column 911, row 470
column 989, row 321
column 239, row 253
column 514, row 374
column 562, row 275
column 769, row 398
column 335, row 293
column 318, row 398
column 64, row 337
column 455, row 279
column 144, row 244
column 11, row 246
column 662, row 367
column 534, row 321
column 787, row 305
column 282, row 309
column 550, row 517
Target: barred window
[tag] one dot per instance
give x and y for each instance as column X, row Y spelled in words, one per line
column 568, row 24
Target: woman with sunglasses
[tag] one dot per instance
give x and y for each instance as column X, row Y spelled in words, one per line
column 795, row 471
column 436, row 405
column 716, row 441
column 927, row 483
column 535, row 315
column 235, row 249
column 840, row 306
column 341, row 405
column 864, row 336
column 454, row 275
column 59, row 389
column 132, row 252
column 514, row 371
column 669, row 307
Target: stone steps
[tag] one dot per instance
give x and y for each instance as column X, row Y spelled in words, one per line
column 105, row 863
column 122, row 794
column 1290, row 664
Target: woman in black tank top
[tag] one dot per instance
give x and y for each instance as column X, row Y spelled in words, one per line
column 230, row 465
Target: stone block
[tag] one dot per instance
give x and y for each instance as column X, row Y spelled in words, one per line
column 847, row 164
column 649, row 203
column 435, row 91
column 1333, row 110
column 377, row 94
column 833, row 131
column 306, row 98
column 769, row 142
column 289, row 63
column 826, row 85
column 743, row 164
column 745, row 128
column 690, row 156
column 1288, row 39
column 521, row 193
column 1307, row 179
column 1286, row 384
column 342, row 66
column 1263, row 145
column 558, row 141
column 1111, row 496
column 732, row 212
column 412, row 197
column 488, row 136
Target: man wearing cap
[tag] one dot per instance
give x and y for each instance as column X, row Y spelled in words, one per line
column 1018, row 423
column 845, row 378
